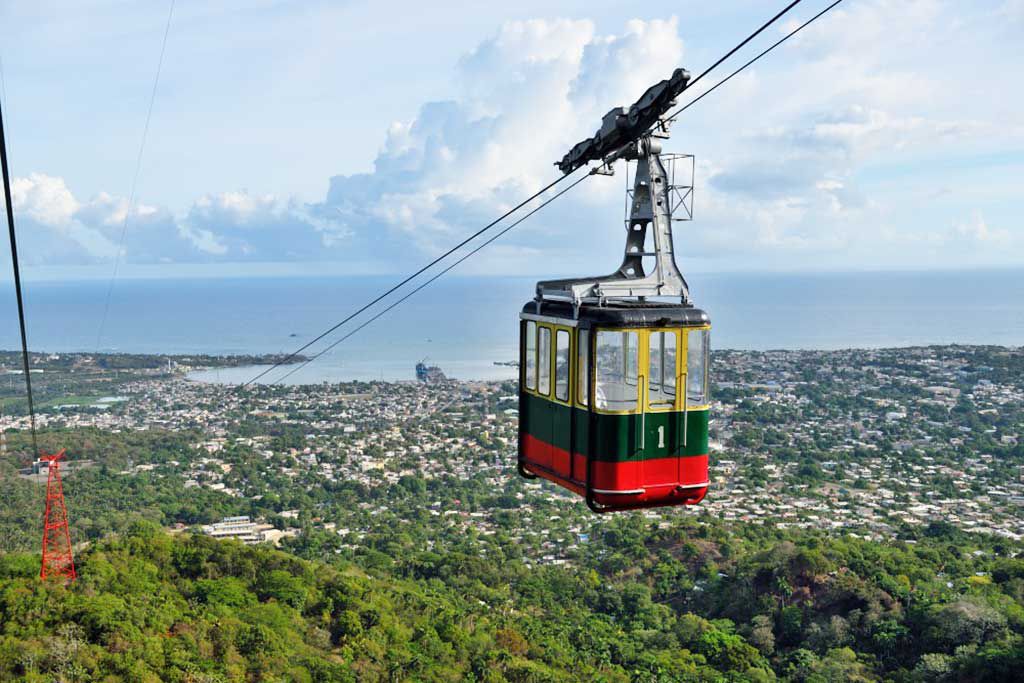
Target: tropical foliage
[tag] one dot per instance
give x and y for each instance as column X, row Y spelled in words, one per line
column 695, row 601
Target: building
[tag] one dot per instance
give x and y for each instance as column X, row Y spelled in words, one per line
column 240, row 528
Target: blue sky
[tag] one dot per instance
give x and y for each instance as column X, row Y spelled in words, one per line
column 340, row 137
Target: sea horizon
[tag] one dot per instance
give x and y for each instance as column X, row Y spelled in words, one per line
column 465, row 324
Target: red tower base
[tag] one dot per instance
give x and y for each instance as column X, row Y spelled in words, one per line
column 57, row 559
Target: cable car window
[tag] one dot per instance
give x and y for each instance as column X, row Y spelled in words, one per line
column 530, row 351
column 583, row 374
column 616, row 371
column 662, row 369
column 697, row 367
column 544, row 362
column 562, row 365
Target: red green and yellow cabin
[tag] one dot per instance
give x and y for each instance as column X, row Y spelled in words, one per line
column 613, row 401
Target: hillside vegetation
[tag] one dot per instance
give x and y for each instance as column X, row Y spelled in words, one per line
column 694, row 602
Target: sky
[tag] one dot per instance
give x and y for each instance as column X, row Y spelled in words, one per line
column 311, row 137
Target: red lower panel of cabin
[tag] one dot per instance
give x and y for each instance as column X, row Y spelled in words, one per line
column 657, row 481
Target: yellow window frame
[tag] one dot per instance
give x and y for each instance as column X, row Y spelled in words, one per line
column 523, row 383
column 685, row 364
column 555, row 329
column 646, row 364
column 641, row 351
column 581, row 394
column 643, row 360
column 551, row 345
column 552, row 365
column 575, row 398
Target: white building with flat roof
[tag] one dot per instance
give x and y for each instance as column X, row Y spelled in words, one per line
column 240, row 528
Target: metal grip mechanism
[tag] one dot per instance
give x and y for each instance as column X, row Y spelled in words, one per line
column 624, row 125
column 648, row 266
column 632, row 133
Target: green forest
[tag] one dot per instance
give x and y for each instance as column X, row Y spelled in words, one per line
column 442, row 565
column 698, row 601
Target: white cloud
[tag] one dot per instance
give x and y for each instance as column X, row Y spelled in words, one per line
column 832, row 152
column 44, row 198
column 525, row 96
column 615, row 70
column 809, row 161
column 242, row 226
column 49, row 228
column 804, row 158
column 56, row 228
column 977, row 230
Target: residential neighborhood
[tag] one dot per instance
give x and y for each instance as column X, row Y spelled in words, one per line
column 869, row 442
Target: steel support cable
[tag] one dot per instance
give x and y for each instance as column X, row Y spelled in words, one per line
column 749, row 38
column 135, row 179
column 677, row 112
column 706, row 71
column 461, row 259
column 406, row 281
column 17, row 284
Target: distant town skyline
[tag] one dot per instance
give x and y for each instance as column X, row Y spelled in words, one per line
column 355, row 137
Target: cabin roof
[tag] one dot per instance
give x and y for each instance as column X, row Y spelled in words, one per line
column 621, row 314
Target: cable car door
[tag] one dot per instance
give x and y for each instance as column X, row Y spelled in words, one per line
column 661, row 422
column 634, row 382
column 618, row 438
column 561, row 415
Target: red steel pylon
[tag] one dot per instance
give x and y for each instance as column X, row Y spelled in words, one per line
column 57, row 560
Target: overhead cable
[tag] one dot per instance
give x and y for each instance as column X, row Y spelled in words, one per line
column 427, row 282
column 746, row 40
column 486, row 228
column 677, row 112
column 135, row 180
column 404, row 282
column 17, row 284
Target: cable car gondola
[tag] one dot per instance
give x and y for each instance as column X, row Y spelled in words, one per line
column 613, row 395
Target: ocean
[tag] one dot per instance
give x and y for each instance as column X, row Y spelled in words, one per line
column 465, row 324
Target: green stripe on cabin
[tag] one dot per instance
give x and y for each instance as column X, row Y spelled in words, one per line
column 617, row 436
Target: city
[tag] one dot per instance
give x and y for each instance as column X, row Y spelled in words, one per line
column 869, row 442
